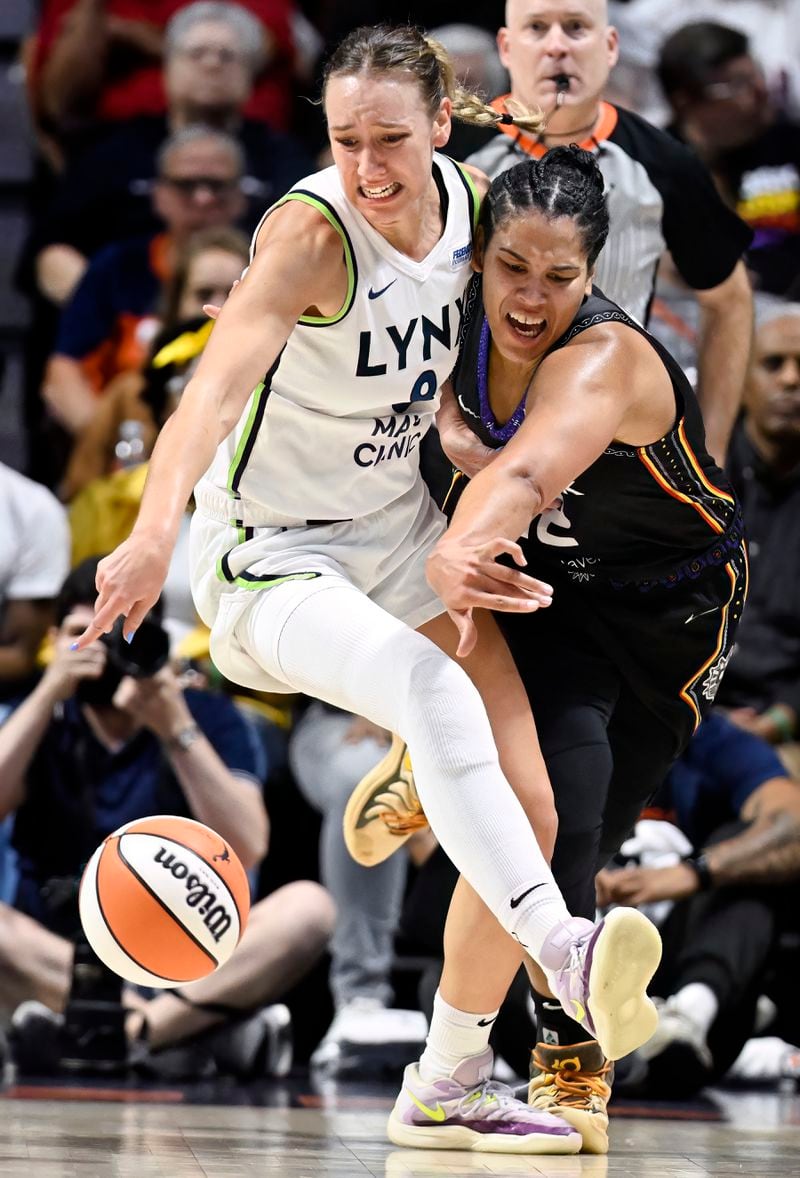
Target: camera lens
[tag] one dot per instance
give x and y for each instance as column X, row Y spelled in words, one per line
column 146, row 654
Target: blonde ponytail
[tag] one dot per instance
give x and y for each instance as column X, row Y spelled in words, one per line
column 469, row 107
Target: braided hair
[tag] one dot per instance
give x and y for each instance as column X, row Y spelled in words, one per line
column 565, row 182
column 381, row 49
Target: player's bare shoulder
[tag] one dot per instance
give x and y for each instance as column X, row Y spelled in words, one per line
column 607, row 356
column 612, row 342
column 619, row 360
column 300, row 229
column 298, row 242
column 629, row 350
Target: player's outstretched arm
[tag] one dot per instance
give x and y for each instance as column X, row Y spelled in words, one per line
column 578, row 401
column 297, row 265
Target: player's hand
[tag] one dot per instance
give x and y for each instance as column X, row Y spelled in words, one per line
column 467, row 631
column 468, row 576
column 129, row 582
column 461, row 445
column 464, row 448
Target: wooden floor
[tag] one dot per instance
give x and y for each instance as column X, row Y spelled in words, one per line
column 101, row 1133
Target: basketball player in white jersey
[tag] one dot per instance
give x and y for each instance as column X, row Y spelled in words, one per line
column 309, row 545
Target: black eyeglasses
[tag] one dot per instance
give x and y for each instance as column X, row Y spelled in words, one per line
column 188, row 185
column 223, row 54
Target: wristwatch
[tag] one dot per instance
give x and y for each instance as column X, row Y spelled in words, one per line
column 184, row 739
column 699, row 865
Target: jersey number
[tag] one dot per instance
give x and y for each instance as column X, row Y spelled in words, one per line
column 424, row 389
column 554, row 515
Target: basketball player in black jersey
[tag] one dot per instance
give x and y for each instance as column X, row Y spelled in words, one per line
column 586, row 442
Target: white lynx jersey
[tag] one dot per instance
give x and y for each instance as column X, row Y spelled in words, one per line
column 333, row 432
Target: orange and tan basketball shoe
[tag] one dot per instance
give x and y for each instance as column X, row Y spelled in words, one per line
column 384, row 810
column 573, row 1082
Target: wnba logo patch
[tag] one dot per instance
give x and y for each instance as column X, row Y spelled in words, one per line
column 460, row 257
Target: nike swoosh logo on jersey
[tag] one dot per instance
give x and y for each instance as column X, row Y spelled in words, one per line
column 376, row 294
column 515, row 903
column 486, row 1022
column 692, row 617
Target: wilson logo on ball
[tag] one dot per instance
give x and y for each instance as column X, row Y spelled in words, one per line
column 216, row 919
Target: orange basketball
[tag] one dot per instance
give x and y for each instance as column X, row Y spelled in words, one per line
column 164, row 901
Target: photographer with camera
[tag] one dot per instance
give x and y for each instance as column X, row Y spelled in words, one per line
column 108, row 735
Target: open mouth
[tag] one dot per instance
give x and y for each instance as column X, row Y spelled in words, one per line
column 379, row 194
column 526, row 326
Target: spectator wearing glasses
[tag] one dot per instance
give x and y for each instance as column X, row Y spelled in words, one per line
column 107, row 325
column 108, row 464
column 721, row 107
column 211, row 60
column 761, row 689
column 205, row 269
column 98, row 62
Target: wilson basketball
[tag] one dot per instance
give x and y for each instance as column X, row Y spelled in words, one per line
column 164, row 901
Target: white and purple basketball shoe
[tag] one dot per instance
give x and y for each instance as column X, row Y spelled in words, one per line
column 467, row 1110
column 600, row 972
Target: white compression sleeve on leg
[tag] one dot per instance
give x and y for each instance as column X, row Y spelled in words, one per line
column 327, row 639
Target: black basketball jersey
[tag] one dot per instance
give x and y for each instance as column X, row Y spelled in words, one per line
column 639, row 515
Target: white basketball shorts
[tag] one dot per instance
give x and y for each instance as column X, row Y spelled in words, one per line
column 382, row 554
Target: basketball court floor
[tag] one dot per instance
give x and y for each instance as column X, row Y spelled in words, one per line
column 290, row 1130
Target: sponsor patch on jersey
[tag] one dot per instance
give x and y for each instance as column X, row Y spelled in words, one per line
column 461, row 256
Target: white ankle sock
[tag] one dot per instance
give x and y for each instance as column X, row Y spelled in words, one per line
column 454, row 1035
column 699, row 1003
